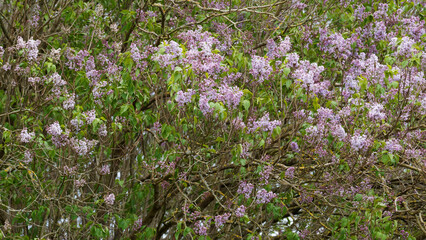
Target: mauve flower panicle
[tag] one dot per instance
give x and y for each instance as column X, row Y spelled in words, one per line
column 264, row 175
column 264, row 124
column 260, row 68
column 220, row 220
column 54, row 129
column 245, row 188
column 90, row 116
column 28, row 157
column 138, row 224
column 69, row 102
column 200, row 229
column 79, row 183
column 183, row 98
column 294, row 147
column 109, row 199
column 104, row 170
column 102, row 131
column 358, row 142
column 25, row 136
column 240, row 211
column 290, row 172
column 392, row 145
column 376, row 112
column 264, row 196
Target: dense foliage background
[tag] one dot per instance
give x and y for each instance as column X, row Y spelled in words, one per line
column 239, row 119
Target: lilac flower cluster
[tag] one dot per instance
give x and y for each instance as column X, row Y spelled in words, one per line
column 290, row 172
column 281, row 50
column 104, row 170
column 264, row 196
column 79, row 183
column 25, row 136
column 170, row 57
column 358, row 142
column 376, row 112
column 109, row 199
column 335, row 44
column 230, row 95
column 220, row 220
column 267, row 171
column 392, row 145
column 200, row 228
column 31, row 47
column 28, row 157
column 102, row 131
column 138, row 224
column 82, row 147
column 240, row 211
column 183, row 98
column 260, row 68
column 245, row 188
column 264, row 124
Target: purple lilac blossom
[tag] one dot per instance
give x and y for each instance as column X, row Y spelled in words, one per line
column 184, row 97
column 245, row 188
column 220, row 220
column 28, row 157
column 264, row 196
column 260, row 68
column 240, row 212
column 104, row 170
column 200, row 229
column 358, row 141
column 376, row 112
column 109, row 199
column 264, row 124
column 392, row 145
column 290, row 172
column 25, row 136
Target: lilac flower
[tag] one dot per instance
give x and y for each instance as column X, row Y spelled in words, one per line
column 376, row 112
column 25, row 136
column 69, row 171
column 204, row 105
column 90, row 116
column 392, row 145
column 70, row 102
column 358, row 142
column 54, row 129
column 76, row 123
column 240, row 212
column 79, row 183
column 260, row 68
column 220, row 220
column 264, row 175
column 137, row 225
column 264, row 196
column 184, row 97
column 338, row 131
column 230, row 95
column 238, row 124
column 82, row 147
column 200, row 229
column 294, row 146
column 264, row 124
column 284, row 46
column 290, row 172
column 104, row 170
column 102, row 131
column 380, row 31
column 245, row 188
column 109, row 199
column 28, row 157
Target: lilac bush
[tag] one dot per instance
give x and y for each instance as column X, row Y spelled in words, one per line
column 212, row 119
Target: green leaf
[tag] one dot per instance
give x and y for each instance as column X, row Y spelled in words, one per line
column 246, row 104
